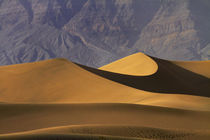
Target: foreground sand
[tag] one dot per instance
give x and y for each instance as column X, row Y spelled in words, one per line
column 127, row 99
column 103, row 119
column 109, row 132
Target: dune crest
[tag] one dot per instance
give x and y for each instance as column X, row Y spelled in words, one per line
column 170, row 77
column 137, row 64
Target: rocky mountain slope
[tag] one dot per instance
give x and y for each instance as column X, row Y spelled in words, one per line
column 96, row 32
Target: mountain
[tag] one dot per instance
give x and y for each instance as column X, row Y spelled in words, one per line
column 96, row 32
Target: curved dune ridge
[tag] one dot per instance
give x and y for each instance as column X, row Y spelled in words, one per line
column 137, row 97
column 140, row 64
column 171, row 77
column 137, row 64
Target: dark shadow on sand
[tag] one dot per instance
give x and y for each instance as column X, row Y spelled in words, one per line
column 169, row 78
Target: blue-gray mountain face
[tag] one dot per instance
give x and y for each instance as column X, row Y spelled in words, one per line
column 96, row 32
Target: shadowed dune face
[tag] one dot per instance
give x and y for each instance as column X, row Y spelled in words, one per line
column 171, row 77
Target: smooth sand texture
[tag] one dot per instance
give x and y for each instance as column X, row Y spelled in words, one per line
column 59, row 99
column 59, row 81
column 137, row 64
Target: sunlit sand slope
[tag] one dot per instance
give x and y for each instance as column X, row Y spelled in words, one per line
column 137, row 64
column 59, row 80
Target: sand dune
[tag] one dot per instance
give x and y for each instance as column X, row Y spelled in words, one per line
column 137, row 64
column 60, row 81
column 137, row 97
column 68, row 137
column 21, row 117
column 199, row 67
column 171, row 77
column 140, row 64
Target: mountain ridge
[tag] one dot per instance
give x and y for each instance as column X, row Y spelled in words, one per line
column 95, row 33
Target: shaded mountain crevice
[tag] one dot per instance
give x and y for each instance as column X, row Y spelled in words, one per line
column 27, row 5
column 1, row 1
column 60, row 12
column 109, row 24
column 202, row 28
column 7, row 57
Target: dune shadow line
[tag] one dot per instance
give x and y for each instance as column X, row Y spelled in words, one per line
column 169, row 78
